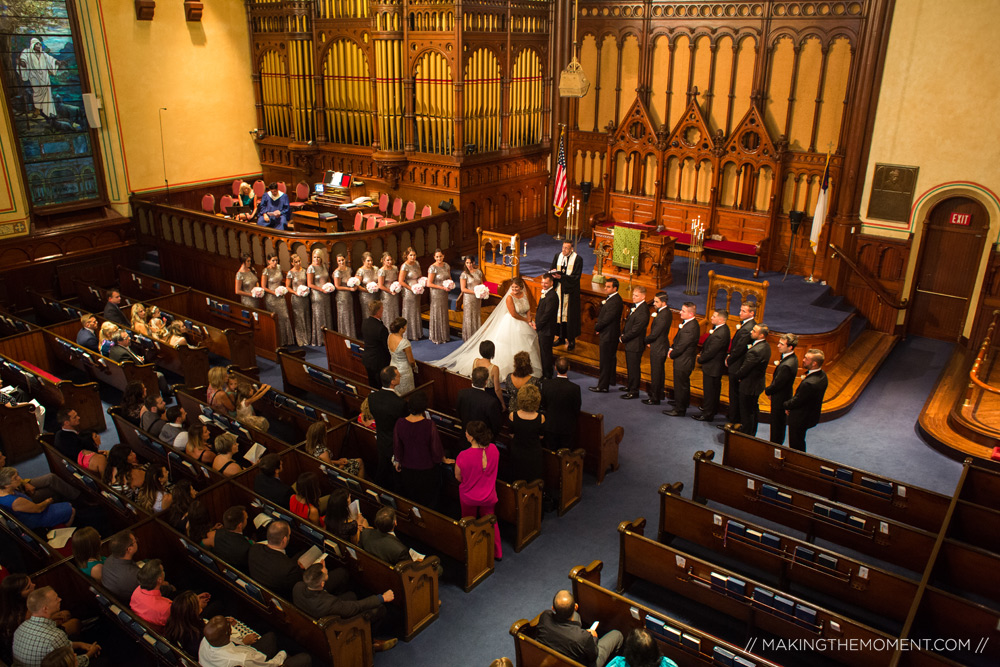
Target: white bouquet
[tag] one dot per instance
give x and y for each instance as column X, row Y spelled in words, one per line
column 372, row 287
column 353, row 281
column 302, row 290
column 423, row 281
column 481, row 291
column 418, row 289
column 280, row 290
column 395, row 288
column 257, row 292
column 328, row 287
column 448, row 284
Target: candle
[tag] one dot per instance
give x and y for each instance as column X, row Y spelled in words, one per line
column 513, row 248
column 525, row 248
column 631, row 262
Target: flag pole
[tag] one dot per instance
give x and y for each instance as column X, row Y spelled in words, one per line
column 562, row 133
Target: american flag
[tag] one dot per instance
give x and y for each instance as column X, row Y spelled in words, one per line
column 560, row 193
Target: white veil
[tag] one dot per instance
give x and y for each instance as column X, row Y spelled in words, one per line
column 509, row 335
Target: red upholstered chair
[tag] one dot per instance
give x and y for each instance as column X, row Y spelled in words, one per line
column 382, row 222
column 358, row 219
column 208, row 203
column 426, row 212
column 282, row 187
column 225, row 203
column 397, row 206
column 370, row 222
column 301, row 195
column 411, row 210
column 259, row 188
column 236, row 187
column 383, row 203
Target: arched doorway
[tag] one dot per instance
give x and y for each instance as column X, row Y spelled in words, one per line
column 950, row 252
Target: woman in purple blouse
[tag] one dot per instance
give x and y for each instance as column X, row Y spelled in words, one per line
column 417, row 449
column 476, row 471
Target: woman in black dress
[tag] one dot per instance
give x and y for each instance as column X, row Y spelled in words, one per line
column 527, row 425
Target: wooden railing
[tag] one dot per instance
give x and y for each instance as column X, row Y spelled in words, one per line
column 983, row 350
column 880, row 292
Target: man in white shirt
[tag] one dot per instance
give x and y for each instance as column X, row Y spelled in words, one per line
column 219, row 650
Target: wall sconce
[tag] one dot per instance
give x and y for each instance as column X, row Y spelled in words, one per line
column 144, row 10
column 193, row 10
column 257, row 133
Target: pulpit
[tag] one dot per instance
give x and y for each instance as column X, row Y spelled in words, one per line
column 649, row 265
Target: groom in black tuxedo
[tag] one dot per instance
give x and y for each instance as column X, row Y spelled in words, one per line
column 546, row 324
column 375, row 337
column 609, row 326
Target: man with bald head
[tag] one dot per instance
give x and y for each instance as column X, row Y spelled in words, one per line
column 561, row 630
column 277, row 571
column 218, row 649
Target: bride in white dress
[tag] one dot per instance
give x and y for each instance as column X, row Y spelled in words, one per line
column 509, row 327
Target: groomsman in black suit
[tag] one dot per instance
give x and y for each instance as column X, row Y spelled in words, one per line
column 683, row 351
column 752, row 376
column 782, row 384
column 658, row 342
column 566, row 269
column 737, row 350
column 375, row 337
column 609, row 326
column 561, row 404
column 387, row 408
column 546, row 323
column 634, row 338
column 804, row 408
column 713, row 364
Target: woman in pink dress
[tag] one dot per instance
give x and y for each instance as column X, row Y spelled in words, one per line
column 476, row 471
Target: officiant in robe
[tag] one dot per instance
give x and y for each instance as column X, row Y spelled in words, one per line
column 566, row 269
column 273, row 208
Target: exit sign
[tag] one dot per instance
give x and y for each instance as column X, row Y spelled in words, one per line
column 964, row 219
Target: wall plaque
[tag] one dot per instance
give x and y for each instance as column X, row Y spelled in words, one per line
column 892, row 192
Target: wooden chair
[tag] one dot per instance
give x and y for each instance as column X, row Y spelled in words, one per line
column 397, row 207
column 236, row 186
column 225, row 203
column 301, row 195
column 371, row 220
column 282, row 187
column 208, row 203
column 259, row 188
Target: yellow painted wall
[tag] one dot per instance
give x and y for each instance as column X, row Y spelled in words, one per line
column 938, row 111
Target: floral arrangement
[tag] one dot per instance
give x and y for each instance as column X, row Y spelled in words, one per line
column 302, row 290
column 353, row 281
column 328, row 287
column 448, row 284
column 257, row 292
column 481, row 291
column 280, row 290
column 418, row 289
column 395, row 288
column 372, row 287
column 423, row 281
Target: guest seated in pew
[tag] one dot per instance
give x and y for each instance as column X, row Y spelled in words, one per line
column 39, row 517
column 273, row 568
column 122, row 352
column 247, row 198
column 200, row 527
column 108, row 329
column 387, row 408
column 120, row 572
column 381, row 541
column 220, row 647
column 560, row 629
column 218, row 380
column 231, row 545
column 40, row 634
column 267, row 484
column 158, row 330
column 175, row 418
column 246, row 396
column 316, row 445
column 60, row 657
column 479, row 403
column 14, row 592
column 198, row 444
column 87, row 552
column 310, row 596
column 83, row 448
column 153, row 494
column 178, row 334
column 123, row 473
column 365, row 416
column 152, row 419
column 112, row 309
column 418, row 451
column 134, row 401
column 476, row 472
column 87, row 336
column 305, row 501
column 46, row 486
column 183, row 497
column 226, row 447
column 139, row 319
column 641, row 650
column 185, row 625
column 338, row 518
column 148, row 601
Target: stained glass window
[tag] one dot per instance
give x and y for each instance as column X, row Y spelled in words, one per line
column 45, row 102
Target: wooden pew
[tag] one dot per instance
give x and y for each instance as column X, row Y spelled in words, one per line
column 36, row 550
column 298, row 377
column 26, row 362
column 529, row 652
column 793, row 561
column 52, row 311
column 343, row 356
column 684, row 644
column 11, row 325
column 814, row 515
column 190, row 400
column 415, row 584
column 101, row 368
column 843, row 484
column 18, row 430
column 219, row 312
column 756, row 605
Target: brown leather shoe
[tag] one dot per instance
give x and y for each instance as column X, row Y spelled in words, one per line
column 380, row 645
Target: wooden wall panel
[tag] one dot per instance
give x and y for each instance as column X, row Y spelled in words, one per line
column 885, row 260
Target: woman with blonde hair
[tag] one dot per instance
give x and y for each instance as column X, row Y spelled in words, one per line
column 345, row 297
column 316, row 445
column 318, row 275
column 296, row 281
column 139, row 319
column 226, row 447
column 272, row 281
column 388, row 275
column 217, row 376
column 178, row 331
column 527, row 424
column 409, row 278
column 104, row 344
column 197, row 446
column 368, row 274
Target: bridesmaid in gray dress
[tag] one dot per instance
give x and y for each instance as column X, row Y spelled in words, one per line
column 387, row 275
column 471, row 304
column 345, row 298
column 437, row 273
column 271, row 279
column 318, row 275
column 368, row 274
column 295, row 279
column 409, row 275
column 246, row 280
